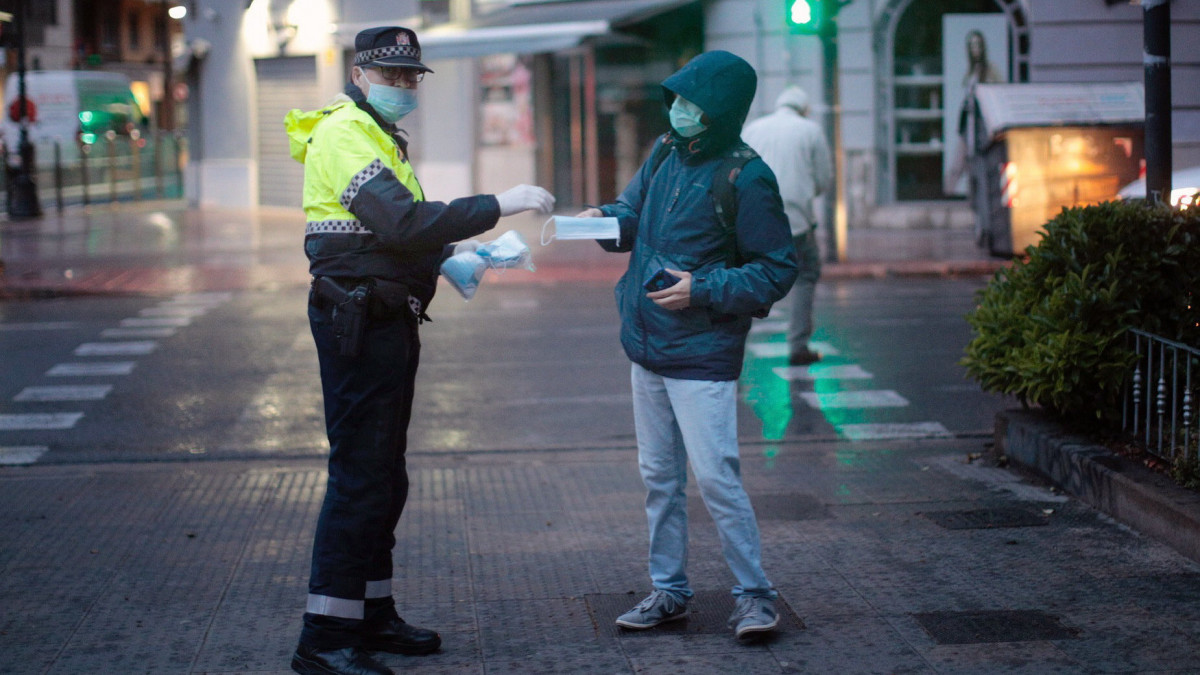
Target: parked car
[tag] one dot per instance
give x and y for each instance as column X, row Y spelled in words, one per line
column 1185, row 188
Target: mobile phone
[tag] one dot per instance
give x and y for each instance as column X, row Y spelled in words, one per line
column 661, row 279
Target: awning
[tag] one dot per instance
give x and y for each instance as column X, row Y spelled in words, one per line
column 530, row 27
column 1007, row 106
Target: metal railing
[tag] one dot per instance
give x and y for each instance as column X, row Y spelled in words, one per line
column 1159, row 410
column 113, row 168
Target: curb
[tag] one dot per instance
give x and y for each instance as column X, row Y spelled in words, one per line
column 912, row 268
column 1145, row 500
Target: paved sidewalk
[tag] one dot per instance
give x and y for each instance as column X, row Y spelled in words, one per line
column 889, row 557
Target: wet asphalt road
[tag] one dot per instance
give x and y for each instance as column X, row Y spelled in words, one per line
column 519, row 367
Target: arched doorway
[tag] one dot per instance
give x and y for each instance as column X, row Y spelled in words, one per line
column 916, row 149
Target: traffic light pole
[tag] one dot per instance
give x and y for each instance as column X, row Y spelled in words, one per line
column 819, row 18
column 829, row 86
column 23, row 198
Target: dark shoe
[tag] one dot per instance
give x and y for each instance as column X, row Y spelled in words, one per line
column 398, row 637
column 804, row 358
column 348, row 661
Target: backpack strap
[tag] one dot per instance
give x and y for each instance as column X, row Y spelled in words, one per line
column 662, row 148
column 724, row 190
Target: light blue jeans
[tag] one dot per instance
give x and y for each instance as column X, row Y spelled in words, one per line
column 678, row 421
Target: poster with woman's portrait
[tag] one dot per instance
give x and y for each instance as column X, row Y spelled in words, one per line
column 974, row 51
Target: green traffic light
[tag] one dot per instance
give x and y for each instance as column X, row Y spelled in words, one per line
column 801, row 13
column 807, row 17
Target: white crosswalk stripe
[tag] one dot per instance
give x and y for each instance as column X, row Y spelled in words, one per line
column 91, row 369
column 93, row 392
column 39, row 421
column 17, row 455
column 175, row 310
column 157, row 322
column 880, row 398
column 137, row 332
column 813, row 373
column 767, row 350
column 136, row 348
column 883, row 432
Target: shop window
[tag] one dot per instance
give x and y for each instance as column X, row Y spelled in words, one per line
column 941, row 47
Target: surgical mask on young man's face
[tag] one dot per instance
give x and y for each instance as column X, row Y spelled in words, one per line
column 392, row 103
column 685, row 117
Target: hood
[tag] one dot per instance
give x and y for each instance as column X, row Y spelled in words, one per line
column 723, row 85
column 794, row 98
column 300, row 124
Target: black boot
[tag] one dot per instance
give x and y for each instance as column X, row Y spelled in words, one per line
column 347, row 661
column 395, row 636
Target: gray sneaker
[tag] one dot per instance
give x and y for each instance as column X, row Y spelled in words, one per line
column 753, row 615
column 658, row 607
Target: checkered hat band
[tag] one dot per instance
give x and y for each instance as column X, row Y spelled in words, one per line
column 384, row 52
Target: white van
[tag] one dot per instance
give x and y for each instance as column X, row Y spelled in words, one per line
column 72, row 106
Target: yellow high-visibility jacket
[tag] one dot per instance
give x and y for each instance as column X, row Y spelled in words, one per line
column 367, row 214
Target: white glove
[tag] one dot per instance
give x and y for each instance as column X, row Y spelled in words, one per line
column 468, row 246
column 525, row 198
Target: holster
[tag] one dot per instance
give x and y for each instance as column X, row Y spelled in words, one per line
column 349, row 314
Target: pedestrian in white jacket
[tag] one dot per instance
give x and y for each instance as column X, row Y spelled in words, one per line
column 795, row 149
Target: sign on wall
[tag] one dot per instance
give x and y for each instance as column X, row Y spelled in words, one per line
column 975, row 50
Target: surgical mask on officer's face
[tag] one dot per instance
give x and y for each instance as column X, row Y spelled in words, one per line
column 685, row 117
column 566, row 227
column 392, row 103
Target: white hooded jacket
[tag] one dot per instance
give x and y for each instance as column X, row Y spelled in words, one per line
column 797, row 152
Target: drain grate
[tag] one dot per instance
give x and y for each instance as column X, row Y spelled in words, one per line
column 788, row 507
column 770, row 507
column 987, row 518
column 961, row 628
column 707, row 613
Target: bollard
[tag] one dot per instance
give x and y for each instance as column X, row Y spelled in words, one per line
column 112, row 164
column 136, row 163
column 58, row 176
column 85, row 149
column 159, row 188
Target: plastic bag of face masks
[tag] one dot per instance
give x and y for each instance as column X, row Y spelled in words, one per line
column 464, row 272
column 507, row 251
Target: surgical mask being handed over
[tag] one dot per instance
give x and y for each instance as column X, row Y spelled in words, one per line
column 392, row 103
column 685, row 117
column 566, row 227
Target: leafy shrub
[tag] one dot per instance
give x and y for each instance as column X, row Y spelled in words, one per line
column 1050, row 330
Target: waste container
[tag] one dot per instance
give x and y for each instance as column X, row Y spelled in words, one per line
column 1039, row 148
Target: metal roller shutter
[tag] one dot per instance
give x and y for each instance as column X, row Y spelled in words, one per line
column 283, row 83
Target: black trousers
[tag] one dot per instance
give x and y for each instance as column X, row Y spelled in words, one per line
column 368, row 405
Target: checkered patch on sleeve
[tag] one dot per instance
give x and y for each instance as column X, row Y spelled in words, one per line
column 373, row 169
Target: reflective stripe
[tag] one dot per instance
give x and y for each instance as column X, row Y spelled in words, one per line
column 358, row 180
column 384, row 52
column 335, row 227
column 340, row 607
column 379, row 589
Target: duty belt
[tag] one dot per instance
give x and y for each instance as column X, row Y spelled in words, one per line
column 387, row 298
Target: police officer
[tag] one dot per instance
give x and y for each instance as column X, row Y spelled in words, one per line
column 374, row 246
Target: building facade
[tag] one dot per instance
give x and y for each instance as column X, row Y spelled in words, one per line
column 564, row 93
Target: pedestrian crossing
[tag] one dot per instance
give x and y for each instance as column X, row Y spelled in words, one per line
column 838, row 388
column 136, row 336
